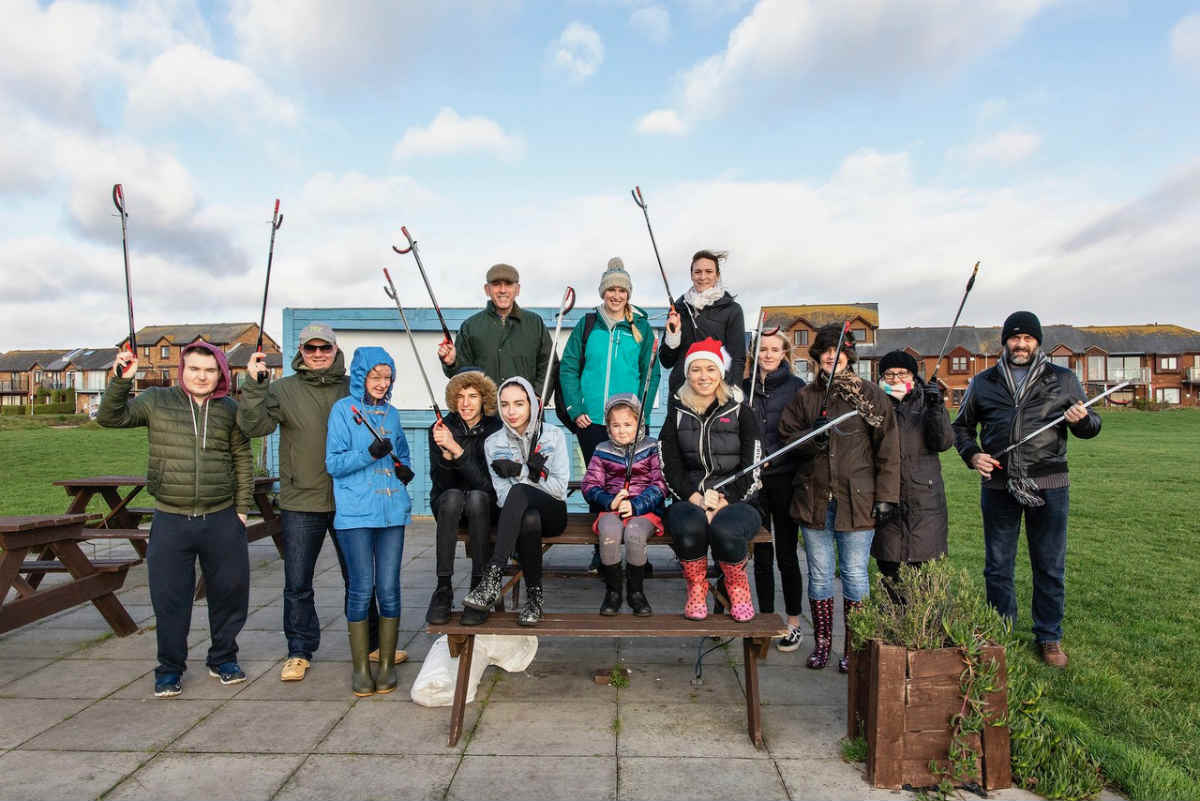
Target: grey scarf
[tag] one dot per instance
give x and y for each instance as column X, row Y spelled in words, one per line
column 1020, row 485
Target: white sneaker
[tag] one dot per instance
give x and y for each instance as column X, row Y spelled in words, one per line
column 790, row 641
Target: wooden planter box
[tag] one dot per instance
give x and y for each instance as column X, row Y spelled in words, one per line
column 903, row 701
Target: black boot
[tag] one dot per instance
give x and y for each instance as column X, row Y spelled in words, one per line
column 634, row 574
column 484, row 596
column 612, row 589
column 439, row 605
column 531, row 613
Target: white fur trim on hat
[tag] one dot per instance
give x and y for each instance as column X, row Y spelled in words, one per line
column 709, row 349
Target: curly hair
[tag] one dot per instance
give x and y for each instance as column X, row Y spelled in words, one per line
column 476, row 380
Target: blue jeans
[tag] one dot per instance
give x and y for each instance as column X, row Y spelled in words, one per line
column 303, row 537
column 1046, row 531
column 373, row 557
column 826, row 549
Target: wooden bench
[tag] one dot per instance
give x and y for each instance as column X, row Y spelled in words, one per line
column 91, row 580
column 756, row 637
column 579, row 532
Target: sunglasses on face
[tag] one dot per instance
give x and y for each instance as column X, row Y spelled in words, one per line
column 307, row 348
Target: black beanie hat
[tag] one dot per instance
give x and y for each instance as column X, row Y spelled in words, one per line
column 1022, row 322
column 898, row 359
column 827, row 337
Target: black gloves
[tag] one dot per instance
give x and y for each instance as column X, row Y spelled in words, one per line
column 380, row 448
column 506, row 468
column 821, row 441
column 933, row 396
column 537, row 465
column 403, row 473
column 884, row 511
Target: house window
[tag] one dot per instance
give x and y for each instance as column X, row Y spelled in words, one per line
column 863, row 368
column 166, row 376
column 859, row 334
column 800, row 337
column 1168, row 395
column 164, row 351
column 803, row 368
column 1061, row 361
column 958, row 364
column 1168, row 363
column 1095, row 368
column 1124, row 368
column 146, row 352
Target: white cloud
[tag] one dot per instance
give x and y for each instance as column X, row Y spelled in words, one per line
column 787, row 44
column 577, row 52
column 192, row 82
column 662, row 121
column 653, row 22
column 999, row 149
column 1185, row 44
column 449, row 133
column 357, row 195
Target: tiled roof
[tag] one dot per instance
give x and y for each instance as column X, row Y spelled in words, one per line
column 94, row 358
column 216, row 333
column 818, row 315
column 18, row 361
column 1110, row 338
column 240, row 354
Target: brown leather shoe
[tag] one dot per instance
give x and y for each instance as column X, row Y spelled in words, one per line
column 1053, row 654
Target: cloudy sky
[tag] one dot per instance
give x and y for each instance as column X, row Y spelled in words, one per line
column 840, row 152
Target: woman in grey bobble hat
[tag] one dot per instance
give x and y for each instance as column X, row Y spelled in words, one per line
column 609, row 352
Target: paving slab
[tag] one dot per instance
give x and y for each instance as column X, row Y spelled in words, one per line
column 264, row 727
column 679, row 650
column 191, row 776
column 71, row 678
column 25, row 718
column 834, row 780
column 373, row 726
column 695, row 730
column 805, row 731
column 720, row 779
column 325, row 681
column 13, row 669
column 535, row 779
column 47, row 642
column 549, row 680
column 114, row 725
column 672, row 684
column 595, row 651
column 87, row 616
column 794, row 684
column 253, row 646
column 548, row 728
column 197, row 684
column 56, row 775
column 377, row 776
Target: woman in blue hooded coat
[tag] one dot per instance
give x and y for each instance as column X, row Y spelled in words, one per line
column 370, row 475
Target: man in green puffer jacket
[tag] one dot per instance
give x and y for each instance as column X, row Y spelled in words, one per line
column 299, row 406
column 201, row 475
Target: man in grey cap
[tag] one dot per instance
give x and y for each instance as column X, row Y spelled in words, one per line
column 299, row 405
column 502, row 340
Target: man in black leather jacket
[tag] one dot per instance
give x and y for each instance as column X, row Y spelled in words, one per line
column 1023, row 392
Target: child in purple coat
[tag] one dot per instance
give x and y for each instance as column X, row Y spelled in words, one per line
column 634, row 510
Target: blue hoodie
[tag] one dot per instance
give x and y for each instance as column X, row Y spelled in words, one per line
column 366, row 491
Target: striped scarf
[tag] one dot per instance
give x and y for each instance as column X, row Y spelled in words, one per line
column 1020, row 485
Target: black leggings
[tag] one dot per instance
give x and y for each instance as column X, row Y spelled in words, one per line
column 452, row 506
column 528, row 515
column 775, row 498
column 728, row 533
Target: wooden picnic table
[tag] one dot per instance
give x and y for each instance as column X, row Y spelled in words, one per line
column 59, row 536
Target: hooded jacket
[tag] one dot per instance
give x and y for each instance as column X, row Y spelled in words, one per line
column 469, row 471
column 722, row 320
column 700, row 450
column 502, row 347
column 365, row 489
column 299, row 406
column 769, row 400
column 199, row 460
column 919, row 532
column 609, row 363
column 508, row 444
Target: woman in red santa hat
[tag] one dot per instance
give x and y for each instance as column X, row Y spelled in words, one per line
column 708, row 436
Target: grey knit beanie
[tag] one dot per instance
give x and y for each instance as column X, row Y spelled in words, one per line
column 615, row 275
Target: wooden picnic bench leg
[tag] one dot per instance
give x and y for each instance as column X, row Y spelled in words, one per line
column 466, row 647
column 121, row 517
column 270, row 519
column 78, row 566
column 751, row 648
column 10, row 573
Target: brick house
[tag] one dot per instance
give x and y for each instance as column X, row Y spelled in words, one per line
column 93, row 368
column 159, row 347
column 799, row 323
column 23, row 371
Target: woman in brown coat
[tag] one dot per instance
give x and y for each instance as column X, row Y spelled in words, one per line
column 846, row 481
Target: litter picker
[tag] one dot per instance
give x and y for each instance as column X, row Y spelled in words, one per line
column 644, row 399
column 970, row 283
column 568, row 303
column 756, row 343
column 390, row 289
column 794, row 444
column 1059, row 419
column 641, row 202
column 361, row 419
column 276, row 221
column 837, row 355
column 412, row 246
column 118, row 197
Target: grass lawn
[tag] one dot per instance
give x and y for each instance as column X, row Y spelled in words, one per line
column 1132, row 627
column 1132, row 692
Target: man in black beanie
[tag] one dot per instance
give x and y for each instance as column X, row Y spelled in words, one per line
column 1023, row 392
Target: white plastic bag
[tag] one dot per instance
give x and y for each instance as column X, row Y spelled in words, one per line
column 435, row 683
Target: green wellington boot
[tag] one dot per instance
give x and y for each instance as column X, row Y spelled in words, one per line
column 385, row 679
column 360, row 635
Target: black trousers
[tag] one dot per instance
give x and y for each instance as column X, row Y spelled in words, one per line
column 590, row 439
column 528, row 515
column 728, row 533
column 479, row 508
column 775, row 498
column 176, row 541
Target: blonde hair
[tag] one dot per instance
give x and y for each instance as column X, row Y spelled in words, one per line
column 689, row 397
column 787, row 350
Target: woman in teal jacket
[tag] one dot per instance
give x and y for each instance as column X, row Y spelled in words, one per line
column 614, row 360
column 369, row 489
